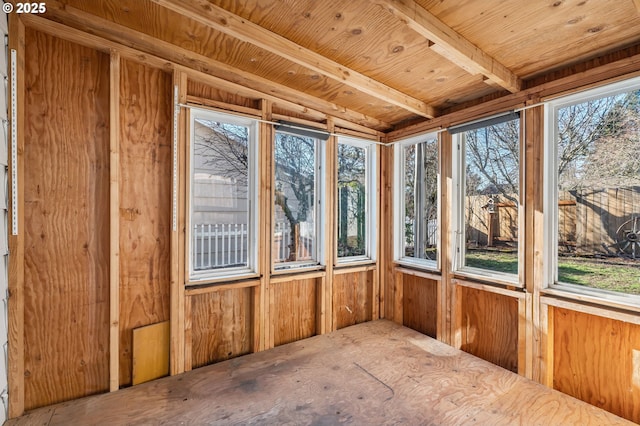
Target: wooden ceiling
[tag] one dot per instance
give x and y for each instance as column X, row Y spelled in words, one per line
column 379, row 63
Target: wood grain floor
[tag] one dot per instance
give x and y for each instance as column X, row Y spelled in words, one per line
column 373, row 373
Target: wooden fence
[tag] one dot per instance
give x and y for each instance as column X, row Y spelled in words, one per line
column 590, row 222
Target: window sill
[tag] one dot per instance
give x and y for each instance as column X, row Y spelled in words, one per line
column 488, row 277
column 194, row 283
column 294, row 269
column 356, row 261
column 600, row 298
column 421, row 264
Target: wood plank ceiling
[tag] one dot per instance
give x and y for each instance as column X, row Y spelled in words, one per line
column 379, row 63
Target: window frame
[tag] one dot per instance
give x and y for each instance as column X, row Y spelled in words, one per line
column 399, row 204
column 551, row 284
column 371, row 202
column 253, row 200
column 320, row 191
column 458, row 246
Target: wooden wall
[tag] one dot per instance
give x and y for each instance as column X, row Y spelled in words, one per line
column 293, row 305
column 353, row 298
column 66, row 238
column 66, row 248
column 220, row 325
column 489, row 326
column 597, row 360
column 145, row 202
column 98, row 169
column 420, row 304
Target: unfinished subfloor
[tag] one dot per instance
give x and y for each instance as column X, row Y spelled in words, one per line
column 372, row 373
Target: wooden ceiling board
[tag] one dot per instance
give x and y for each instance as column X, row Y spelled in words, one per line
column 396, row 56
column 243, row 56
column 350, row 34
column 530, row 37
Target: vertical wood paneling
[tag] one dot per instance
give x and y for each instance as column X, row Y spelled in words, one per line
column 352, row 298
column 114, row 221
column 597, row 360
column 293, row 310
column 177, row 357
column 420, row 304
column 490, row 327
column 66, row 320
column 221, row 324
column 145, row 202
column 385, row 232
column 16, row 284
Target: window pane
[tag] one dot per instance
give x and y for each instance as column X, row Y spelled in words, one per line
column 351, row 201
column 598, row 171
column 294, row 238
column 491, row 197
column 220, row 196
column 421, row 200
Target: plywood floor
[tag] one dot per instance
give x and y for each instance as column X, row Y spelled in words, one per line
column 372, row 373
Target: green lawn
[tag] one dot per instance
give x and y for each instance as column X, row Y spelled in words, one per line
column 497, row 261
column 620, row 275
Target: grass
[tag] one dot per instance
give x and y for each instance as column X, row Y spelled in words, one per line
column 497, row 261
column 622, row 278
column 619, row 275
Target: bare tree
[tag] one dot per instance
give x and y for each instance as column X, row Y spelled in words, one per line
column 493, row 158
column 224, row 148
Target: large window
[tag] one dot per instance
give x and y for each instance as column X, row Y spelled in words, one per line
column 356, row 200
column 298, row 190
column 222, row 199
column 593, row 165
column 488, row 198
column 416, row 201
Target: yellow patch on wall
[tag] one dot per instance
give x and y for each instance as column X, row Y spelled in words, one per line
column 150, row 352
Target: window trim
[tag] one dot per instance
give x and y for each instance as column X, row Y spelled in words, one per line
column 253, row 199
column 550, row 200
column 320, row 191
column 371, row 202
column 399, row 205
column 458, row 248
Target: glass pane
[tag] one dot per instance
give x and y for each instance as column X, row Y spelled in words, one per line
column 491, row 197
column 351, row 201
column 219, row 196
column 598, row 170
column 421, row 200
column 294, row 238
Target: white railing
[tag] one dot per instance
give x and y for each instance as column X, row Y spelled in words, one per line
column 282, row 240
column 226, row 245
column 219, row 245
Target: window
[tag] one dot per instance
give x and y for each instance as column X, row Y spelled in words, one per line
column 416, row 201
column 594, row 191
column 356, row 200
column 298, row 189
column 222, row 199
column 488, row 198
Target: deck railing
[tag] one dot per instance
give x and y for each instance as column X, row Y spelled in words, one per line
column 216, row 245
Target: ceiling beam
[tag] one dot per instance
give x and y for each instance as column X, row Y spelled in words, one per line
column 228, row 23
column 451, row 44
column 116, row 34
